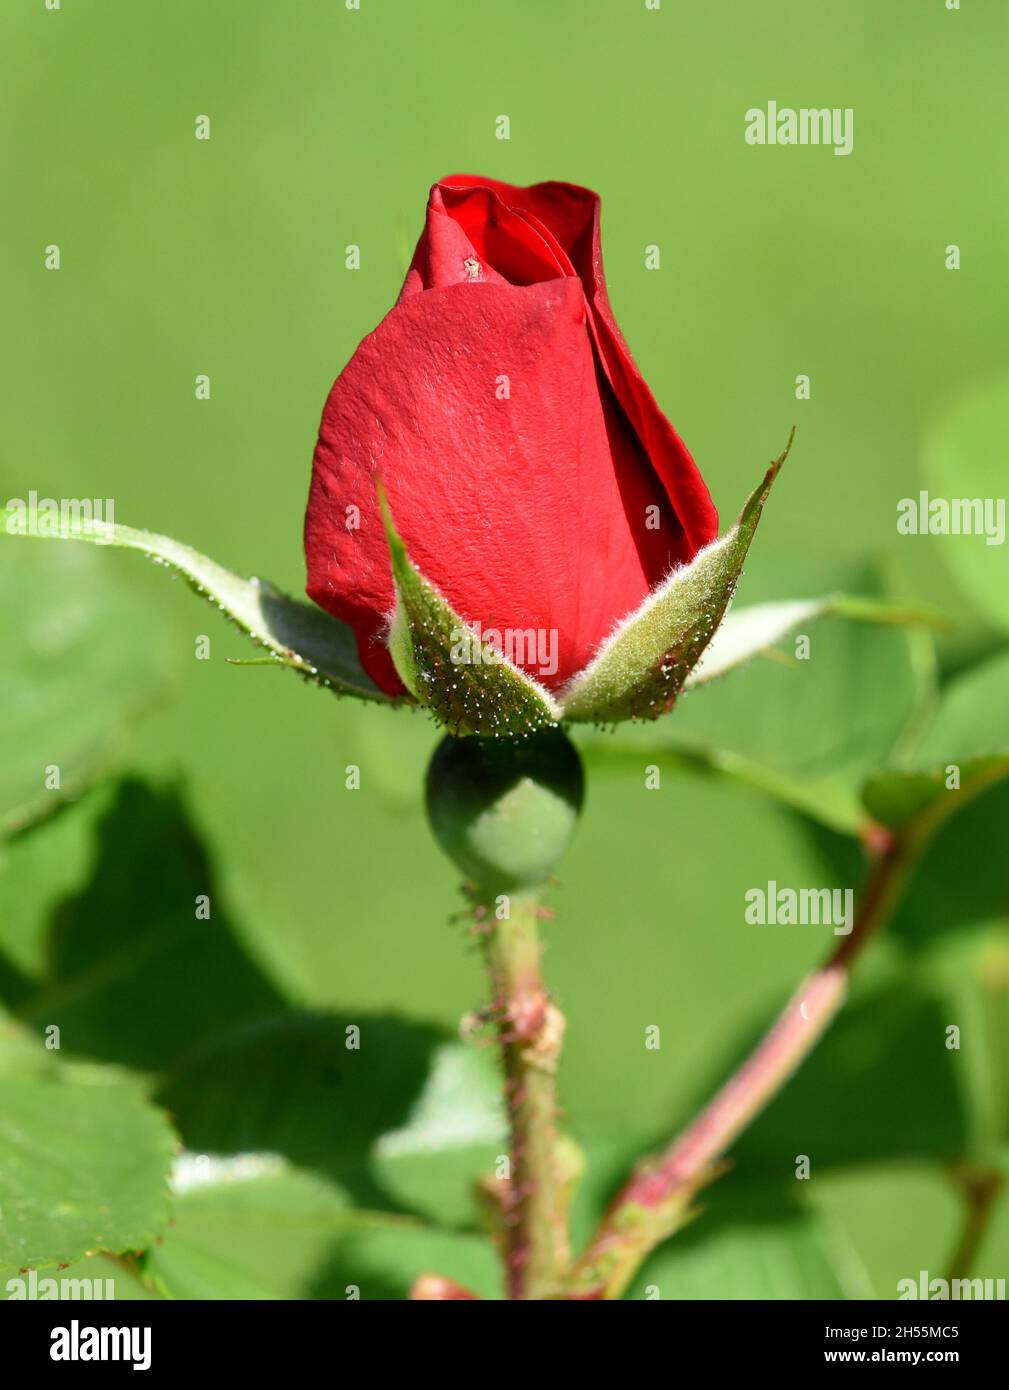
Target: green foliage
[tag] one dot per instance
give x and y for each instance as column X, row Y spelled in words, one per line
column 348, row 1144
column 329, row 906
column 963, row 460
column 82, row 661
column 963, row 750
column 290, row 1236
column 753, row 630
column 807, row 729
column 453, row 1134
column 111, row 960
column 294, row 633
column 895, row 1090
column 762, row 1244
column 83, row 1161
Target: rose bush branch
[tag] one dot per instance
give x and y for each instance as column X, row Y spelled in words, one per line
column 658, row 1197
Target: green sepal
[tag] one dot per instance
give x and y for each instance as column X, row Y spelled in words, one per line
column 641, row 669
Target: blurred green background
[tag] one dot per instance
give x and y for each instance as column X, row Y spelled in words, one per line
column 226, row 257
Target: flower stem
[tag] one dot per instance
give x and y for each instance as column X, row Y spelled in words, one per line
column 980, row 1187
column 656, row 1200
column 530, row 1030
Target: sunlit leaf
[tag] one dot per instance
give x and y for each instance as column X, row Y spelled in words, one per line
column 298, row 635
column 964, row 463
column 82, row 661
column 963, row 751
column 84, row 1161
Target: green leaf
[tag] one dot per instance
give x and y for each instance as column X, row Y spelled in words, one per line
column 406, row 1116
column 317, row 1089
column 937, row 903
column 972, row 720
column 964, row 458
column 754, row 1244
column 104, row 1277
column 82, row 662
column 970, row 733
column 298, row 635
column 291, row 1235
column 881, row 1086
column 113, row 960
column 451, row 1137
column 252, row 1228
column 83, row 1161
column 807, row 732
column 38, row 871
column 448, row 668
column 747, row 632
column 641, row 669
column 971, row 969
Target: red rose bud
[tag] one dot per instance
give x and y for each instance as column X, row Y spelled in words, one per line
column 533, row 480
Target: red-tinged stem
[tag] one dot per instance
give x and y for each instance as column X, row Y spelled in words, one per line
column 980, row 1188
column 435, row 1288
column 530, row 1030
column 657, row 1199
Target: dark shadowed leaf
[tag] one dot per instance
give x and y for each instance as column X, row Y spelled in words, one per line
column 318, row 1089
column 129, row 963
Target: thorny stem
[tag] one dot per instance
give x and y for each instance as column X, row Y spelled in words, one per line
column 530, row 1031
column 656, row 1200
